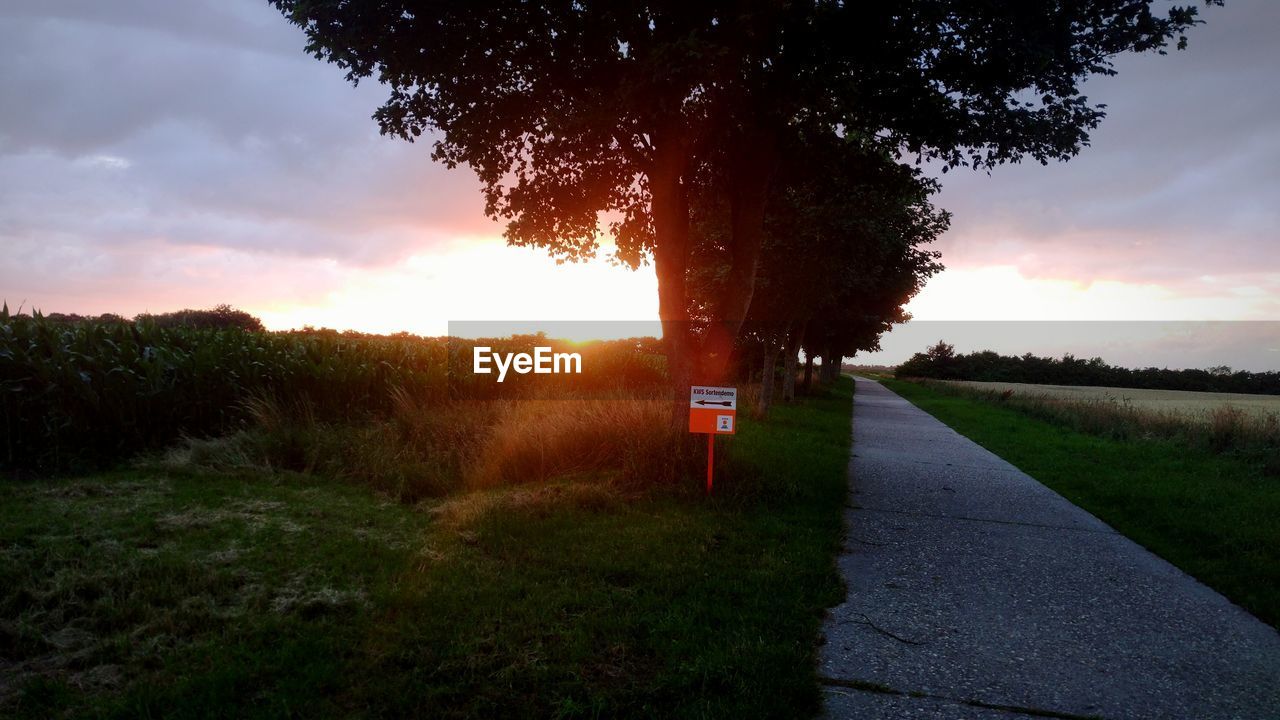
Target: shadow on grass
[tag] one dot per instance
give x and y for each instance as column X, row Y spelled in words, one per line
column 255, row 595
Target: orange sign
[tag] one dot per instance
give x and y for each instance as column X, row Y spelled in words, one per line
column 713, row 410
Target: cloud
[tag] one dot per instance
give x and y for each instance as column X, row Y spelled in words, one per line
column 205, row 125
column 156, row 154
column 1180, row 180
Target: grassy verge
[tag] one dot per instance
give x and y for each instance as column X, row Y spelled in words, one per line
column 246, row 594
column 1217, row 422
column 1216, row 516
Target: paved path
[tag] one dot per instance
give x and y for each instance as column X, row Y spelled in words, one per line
column 977, row 592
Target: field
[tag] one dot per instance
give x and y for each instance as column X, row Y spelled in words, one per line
column 1204, row 499
column 340, row 530
column 86, row 395
column 1198, row 406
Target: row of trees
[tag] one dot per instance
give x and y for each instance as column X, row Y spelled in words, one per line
column 657, row 114
column 943, row 363
column 219, row 317
column 871, row 215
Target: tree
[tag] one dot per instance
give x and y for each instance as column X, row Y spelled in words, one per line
column 858, row 319
column 219, row 317
column 572, row 108
column 870, row 215
column 938, row 361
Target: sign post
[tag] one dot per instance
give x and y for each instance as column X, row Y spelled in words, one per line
column 713, row 411
column 711, row 459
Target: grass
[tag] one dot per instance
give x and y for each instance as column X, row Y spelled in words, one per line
column 1230, row 430
column 1197, row 406
column 432, row 450
column 1215, row 515
column 244, row 593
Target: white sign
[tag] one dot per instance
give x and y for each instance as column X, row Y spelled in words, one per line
column 713, row 398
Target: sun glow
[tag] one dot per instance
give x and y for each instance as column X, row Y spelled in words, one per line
column 504, row 290
column 480, row 280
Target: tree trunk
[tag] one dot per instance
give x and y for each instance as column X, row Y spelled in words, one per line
column 831, row 366
column 670, row 206
column 766, row 380
column 752, row 170
column 794, row 338
column 808, row 372
column 789, row 377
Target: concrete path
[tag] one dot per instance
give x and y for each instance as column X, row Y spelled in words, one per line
column 977, row 592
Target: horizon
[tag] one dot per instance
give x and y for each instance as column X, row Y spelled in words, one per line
column 1248, row 345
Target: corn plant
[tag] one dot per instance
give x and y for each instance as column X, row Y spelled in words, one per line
column 87, row 393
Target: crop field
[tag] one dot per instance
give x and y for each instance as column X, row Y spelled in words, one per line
column 1190, row 405
column 81, row 396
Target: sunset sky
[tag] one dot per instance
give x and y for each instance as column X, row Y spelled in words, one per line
column 158, row 154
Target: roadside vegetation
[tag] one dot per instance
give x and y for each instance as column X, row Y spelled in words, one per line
column 420, row 553
column 1203, row 495
column 83, row 395
column 1184, row 405
column 1211, row 422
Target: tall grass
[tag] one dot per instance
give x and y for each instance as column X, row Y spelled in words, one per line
column 424, row 451
column 1224, row 429
column 539, row 440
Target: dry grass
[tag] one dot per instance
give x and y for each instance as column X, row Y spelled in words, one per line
column 1196, row 406
column 1220, row 422
column 430, row 449
column 538, row 440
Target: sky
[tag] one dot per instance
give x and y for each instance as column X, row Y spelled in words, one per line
column 157, row 154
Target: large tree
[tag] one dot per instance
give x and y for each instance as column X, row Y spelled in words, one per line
column 568, row 109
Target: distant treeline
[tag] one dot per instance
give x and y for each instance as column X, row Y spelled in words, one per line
column 219, row 317
column 941, row 362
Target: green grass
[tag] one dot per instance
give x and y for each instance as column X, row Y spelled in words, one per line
column 1216, row 516
column 1191, row 405
column 146, row 594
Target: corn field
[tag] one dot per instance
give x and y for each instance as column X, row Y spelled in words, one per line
column 78, row 395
